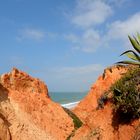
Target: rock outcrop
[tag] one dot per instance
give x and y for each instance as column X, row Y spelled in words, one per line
column 101, row 124
column 27, row 112
column 4, row 130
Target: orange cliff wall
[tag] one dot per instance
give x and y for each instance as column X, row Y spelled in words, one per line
column 103, row 83
column 27, row 112
column 100, row 124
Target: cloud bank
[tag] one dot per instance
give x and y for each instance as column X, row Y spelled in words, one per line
column 89, row 13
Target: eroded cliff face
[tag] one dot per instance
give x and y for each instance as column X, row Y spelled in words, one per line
column 101, row 124
column 103, row 83
column 27, row 112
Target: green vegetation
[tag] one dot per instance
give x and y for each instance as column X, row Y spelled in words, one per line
column 126, row 95
column 102, row 101
column 133, row 54
column 126, row 91
column 77, row 122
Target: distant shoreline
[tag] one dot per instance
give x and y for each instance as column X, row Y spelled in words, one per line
column 70, row 105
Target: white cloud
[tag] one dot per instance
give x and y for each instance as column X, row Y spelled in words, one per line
column 91, row 40
column 90, row 12
column 72, row 37
column 121, row 29
column 88, row 42
column 86, row 15
column 30, row 33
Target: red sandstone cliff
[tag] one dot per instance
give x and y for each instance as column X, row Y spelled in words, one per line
column 100, row 124
column 27, row 112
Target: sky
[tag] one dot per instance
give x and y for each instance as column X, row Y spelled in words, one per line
column 65, row 43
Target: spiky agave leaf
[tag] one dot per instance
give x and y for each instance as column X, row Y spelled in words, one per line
column 128, row 62
column 137, row 41
column 132, row 55
column 138, row 36
column 134, row 43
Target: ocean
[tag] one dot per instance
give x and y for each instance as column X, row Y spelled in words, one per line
column 67, row 99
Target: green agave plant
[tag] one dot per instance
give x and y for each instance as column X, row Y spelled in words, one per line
column 134, row 55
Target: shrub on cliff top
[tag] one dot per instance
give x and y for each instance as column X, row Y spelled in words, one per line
column 126, row 95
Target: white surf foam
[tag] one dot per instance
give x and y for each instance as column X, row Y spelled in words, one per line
column 70, row 105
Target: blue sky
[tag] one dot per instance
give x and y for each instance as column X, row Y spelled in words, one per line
column 66, row 43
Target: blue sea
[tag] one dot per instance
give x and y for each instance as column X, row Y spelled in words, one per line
column 67, row 99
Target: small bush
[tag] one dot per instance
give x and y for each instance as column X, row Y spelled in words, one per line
column 102, row 101
column 126, row 95
column 77, row 122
